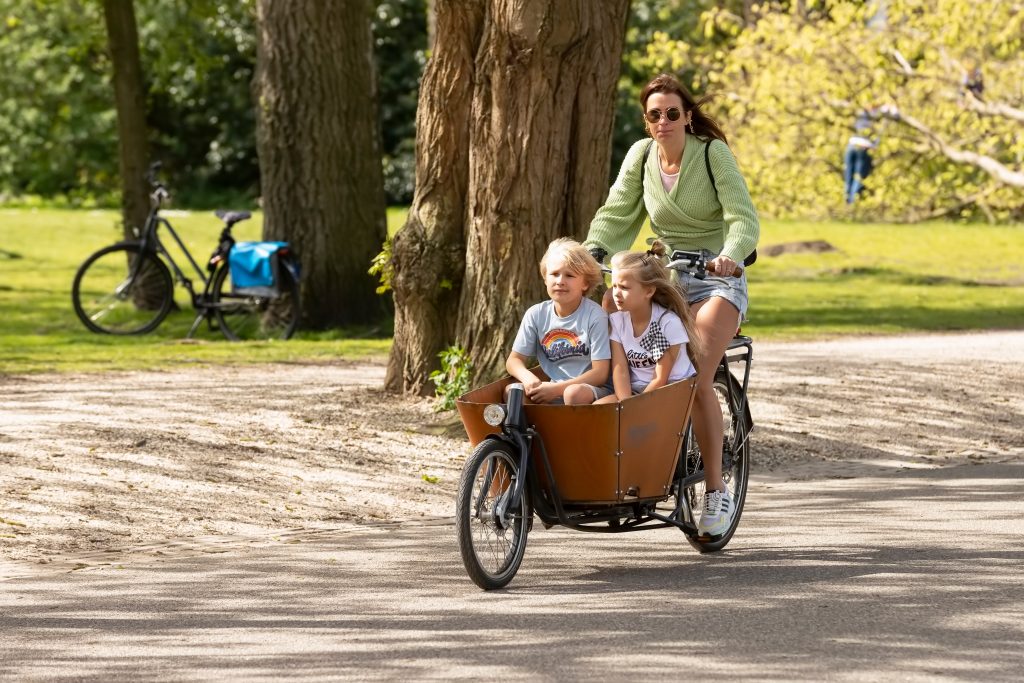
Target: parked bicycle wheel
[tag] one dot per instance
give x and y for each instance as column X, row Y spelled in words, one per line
column 735, row 465
column 122, row 290
column 492, row 532
column 244, row 317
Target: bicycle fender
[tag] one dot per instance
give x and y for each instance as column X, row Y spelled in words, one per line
column 737, row 390
column 505, row 439
column 293, row 268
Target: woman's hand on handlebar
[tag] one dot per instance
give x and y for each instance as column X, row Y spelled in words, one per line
column 723, row 266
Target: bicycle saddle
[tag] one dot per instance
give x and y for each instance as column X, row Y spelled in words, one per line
column 232, row 217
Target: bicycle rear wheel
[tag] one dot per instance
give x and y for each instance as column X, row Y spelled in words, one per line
column 122, row 290
column 244, row 317
column 492, row 531
column 735, row 465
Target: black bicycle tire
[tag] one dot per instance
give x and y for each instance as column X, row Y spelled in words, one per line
column 743, row 457
column 286, row 282
column 480, row 575
column 161, row 268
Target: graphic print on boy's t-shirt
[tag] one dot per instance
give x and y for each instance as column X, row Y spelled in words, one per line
column 561, row 343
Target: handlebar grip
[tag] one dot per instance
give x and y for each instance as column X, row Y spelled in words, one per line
column 735, row 273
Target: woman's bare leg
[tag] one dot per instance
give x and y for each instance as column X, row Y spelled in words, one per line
column 717, row 320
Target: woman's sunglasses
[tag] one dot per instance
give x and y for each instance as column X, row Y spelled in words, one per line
column 654, row 115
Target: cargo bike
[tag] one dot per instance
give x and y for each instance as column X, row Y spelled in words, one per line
column 609, row 468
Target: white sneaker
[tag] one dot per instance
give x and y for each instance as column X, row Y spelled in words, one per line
column 716, row 516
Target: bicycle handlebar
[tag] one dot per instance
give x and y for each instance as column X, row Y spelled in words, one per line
column 697, row 263
column 159, row 194
column 693, row 262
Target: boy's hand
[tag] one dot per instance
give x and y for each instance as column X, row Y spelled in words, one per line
column 544, row 392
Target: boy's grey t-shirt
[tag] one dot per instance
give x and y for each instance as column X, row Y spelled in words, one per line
column 565, row 346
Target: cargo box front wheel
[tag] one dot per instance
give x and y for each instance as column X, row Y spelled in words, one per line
column 491, row 526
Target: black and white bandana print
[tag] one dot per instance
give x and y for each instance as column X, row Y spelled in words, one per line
column 654, row 341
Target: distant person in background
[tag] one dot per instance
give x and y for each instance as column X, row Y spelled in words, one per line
column 857, row 161
column 974, row 81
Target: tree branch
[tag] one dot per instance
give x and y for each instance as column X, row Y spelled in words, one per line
column 994, row 168
column 993, row 108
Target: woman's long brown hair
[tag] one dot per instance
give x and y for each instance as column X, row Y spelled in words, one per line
column 703, row 125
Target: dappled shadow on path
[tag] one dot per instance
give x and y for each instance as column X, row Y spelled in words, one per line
column 875, row 577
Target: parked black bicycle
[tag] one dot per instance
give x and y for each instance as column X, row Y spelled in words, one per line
column 127, row 288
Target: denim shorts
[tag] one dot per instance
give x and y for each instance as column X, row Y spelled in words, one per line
column 599, row 392
column 732, row 289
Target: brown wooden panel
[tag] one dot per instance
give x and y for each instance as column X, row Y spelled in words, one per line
column 471, row 409
column 581, row 443
column 650, row 435
column 584, row 442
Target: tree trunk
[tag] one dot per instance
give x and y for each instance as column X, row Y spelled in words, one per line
column 513, row 145
column 541, row 130
column 320, row 151
column 428, row 254
column 130, row 101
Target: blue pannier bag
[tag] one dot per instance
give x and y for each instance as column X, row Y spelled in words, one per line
column 255, row 268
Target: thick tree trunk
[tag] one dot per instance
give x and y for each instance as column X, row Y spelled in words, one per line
column 320, row 152
column 429, row 251
column 541, row 130
column 538, row 139
column 130, row 101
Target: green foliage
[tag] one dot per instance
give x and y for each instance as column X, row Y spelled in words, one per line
column 687, row 38
column 199, row 59
column 383, row 268
column 400, row 45
column 57, row 129
column 453, row 379
column 795, row 84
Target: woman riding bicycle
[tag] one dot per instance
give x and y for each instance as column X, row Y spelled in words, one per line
column 688, row 182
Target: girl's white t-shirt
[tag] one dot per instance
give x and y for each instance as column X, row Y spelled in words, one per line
column 642, row 353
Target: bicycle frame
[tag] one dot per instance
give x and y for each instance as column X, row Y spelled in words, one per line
column 150, row 241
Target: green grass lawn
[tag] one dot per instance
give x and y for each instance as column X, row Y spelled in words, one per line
column 882, row 279
column 40, row 250
column 886, row 279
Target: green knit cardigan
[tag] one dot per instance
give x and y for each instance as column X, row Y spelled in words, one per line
column 690, row 216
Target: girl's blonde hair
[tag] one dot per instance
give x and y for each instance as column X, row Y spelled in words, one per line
column 648, row 270
column 577, row 259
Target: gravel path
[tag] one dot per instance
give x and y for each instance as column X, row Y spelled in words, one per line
column 96, row 468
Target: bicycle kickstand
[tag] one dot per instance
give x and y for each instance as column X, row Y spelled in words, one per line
column 195, row 324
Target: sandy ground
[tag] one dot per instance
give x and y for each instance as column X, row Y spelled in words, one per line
column 97, row 467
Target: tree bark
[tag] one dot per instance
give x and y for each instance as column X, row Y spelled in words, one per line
column 543, row 110
column 513, row 146
column 130, row 102
column 428, row 253
column 320, row 151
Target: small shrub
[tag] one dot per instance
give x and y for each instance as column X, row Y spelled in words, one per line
column 452, row 380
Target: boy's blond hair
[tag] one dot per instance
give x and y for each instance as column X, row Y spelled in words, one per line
column 577, row 259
